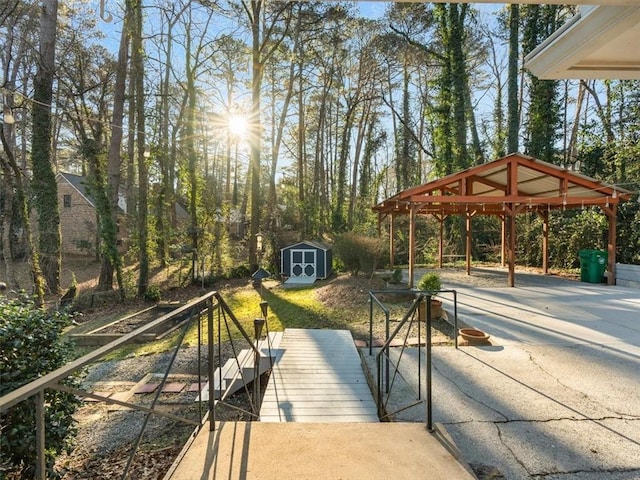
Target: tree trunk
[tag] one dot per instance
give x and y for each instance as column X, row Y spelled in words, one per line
column 112, row 261
column 513, row 120
column 43, row 184
column 143, row 174
column 11, row 167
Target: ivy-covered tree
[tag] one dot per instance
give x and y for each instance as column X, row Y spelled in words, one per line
column 43, row 184
column 544, row 121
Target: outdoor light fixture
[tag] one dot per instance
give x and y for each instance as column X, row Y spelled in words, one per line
column 259, row 241
column 147, row 152
column 258, row 323
column 7, row 114
column 264, row 306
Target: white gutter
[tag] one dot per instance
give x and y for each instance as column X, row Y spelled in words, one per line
column 562, row 54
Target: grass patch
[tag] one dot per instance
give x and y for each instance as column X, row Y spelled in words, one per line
column 305, row 307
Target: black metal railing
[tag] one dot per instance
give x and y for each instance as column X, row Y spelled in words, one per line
column 194, row 310
column 388, row 369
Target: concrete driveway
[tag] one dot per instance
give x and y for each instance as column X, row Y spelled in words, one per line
column 557, row 396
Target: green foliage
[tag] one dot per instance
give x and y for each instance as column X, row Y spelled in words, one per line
column 429, row 282
column 153, row 293
column 30, row 347
column 358, row 253
column 240, row 271
column 629, row 232
column 396, row 278
column 574, row 232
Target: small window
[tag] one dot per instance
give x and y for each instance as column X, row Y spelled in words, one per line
column 67, row 201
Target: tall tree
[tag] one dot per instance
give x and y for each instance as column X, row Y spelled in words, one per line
column 544, row 121
column 110, row 259
column 265, row 40
column 137, row 74
column 43, row 184
column 513, row 111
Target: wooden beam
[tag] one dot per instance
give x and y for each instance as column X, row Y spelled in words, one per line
column 441, row 219
column 557, row 200
column 412, row 245
column 392, row 249
column 545, row 241
column 503, row 238
column 611, row 246
column 468, row 243
column 512, row 251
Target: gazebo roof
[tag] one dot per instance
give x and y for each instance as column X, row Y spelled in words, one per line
column 514, row 181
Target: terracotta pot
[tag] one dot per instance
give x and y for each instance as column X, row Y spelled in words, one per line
column 436, row 310
column 473, row 336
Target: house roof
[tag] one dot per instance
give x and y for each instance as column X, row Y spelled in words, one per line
column 78, row 182
column 516, row 179
column 599, row 42
column 311, row 243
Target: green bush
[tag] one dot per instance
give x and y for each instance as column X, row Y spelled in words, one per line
column 358, row 253
column 396, row 278
column 153, row 293
column 429, row 282
column 30, row 347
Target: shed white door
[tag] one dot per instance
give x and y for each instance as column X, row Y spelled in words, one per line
column 303, row 263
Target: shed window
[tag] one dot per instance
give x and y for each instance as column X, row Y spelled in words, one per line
column 66, row 201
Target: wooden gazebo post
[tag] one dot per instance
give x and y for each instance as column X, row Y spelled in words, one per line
column 392, row 251
column 440, row 219
column 545, row 240
column 468, row 243
column 503, row 240
column 611, row 213
column 412, row 242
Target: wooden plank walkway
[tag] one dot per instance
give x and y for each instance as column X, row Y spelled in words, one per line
column 317, row 377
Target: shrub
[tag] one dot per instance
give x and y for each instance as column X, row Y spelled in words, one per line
column 429, row 282
column 396, row 278
column 358, row 252
column 153, row 293
column 30, row 347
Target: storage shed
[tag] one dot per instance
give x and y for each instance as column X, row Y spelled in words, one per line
column 306, row 261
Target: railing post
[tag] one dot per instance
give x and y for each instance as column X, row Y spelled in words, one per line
column 386, row 351
column 41, row 466
column 455, row 317
column 258, row 323
column 212, row 405
column 422, row 297
column 370, row 324
column 428, row 358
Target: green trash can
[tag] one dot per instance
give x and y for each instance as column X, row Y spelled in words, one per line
column 593, row 264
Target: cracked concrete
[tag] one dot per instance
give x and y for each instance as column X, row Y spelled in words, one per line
column 558, row 397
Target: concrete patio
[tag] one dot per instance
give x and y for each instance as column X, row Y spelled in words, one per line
column 557, row 396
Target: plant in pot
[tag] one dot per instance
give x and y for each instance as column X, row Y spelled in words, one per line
column 430, row 282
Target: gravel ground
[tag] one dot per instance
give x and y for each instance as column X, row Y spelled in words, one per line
column 493, row 277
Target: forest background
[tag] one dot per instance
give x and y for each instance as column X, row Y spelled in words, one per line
column 273, row 122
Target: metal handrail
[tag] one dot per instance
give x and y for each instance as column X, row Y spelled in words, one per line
column 386, row 386
column 206, row 304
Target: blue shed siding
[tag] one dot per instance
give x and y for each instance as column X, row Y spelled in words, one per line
column 323, row 261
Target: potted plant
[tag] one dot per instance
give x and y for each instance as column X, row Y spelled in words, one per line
column 430, row 282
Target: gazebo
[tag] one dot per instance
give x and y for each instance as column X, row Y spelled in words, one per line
column 504, row 187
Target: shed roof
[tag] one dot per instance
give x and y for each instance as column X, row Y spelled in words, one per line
column 516, row 179
column 311, row 243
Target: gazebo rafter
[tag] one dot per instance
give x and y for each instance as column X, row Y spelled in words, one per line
column 504, row 187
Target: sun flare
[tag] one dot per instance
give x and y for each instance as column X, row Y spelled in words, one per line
column 238, row 125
